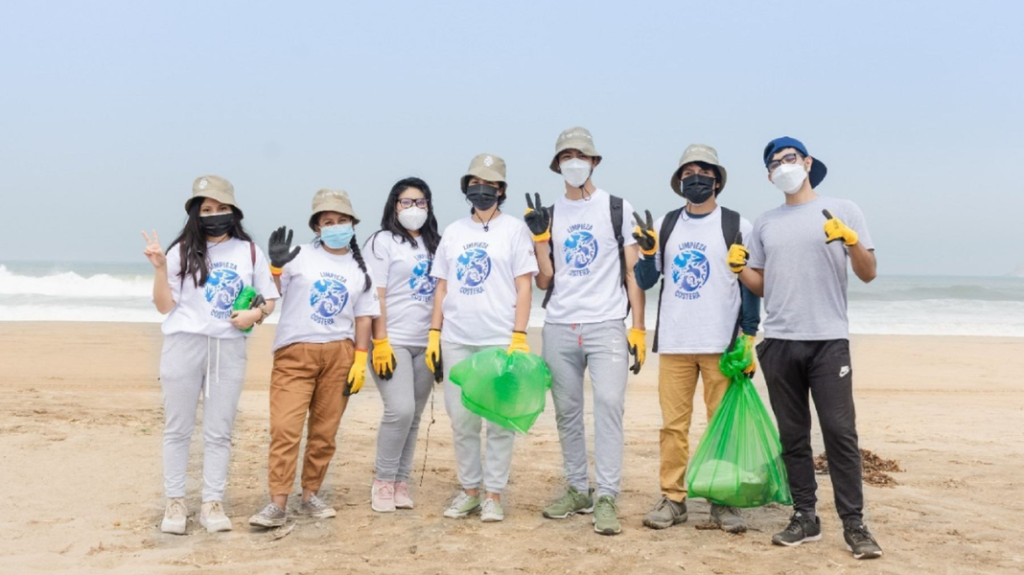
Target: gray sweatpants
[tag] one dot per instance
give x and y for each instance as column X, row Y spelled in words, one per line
column 404, row 396
column 188, row 364
column 569, row 349
column 466, row 427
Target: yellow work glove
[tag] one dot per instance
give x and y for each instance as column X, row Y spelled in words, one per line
column 538, row 219
column 835, row 229
column 384, row 361
column 748, row 343
column 434, row 355
column 357, row 373
column 738, row 256
column 637, row 348
column 518, row 343
column 645, row 235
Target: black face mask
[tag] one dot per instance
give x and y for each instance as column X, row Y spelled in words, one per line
column 217, row 225
column 482, row 197
column 697, row 189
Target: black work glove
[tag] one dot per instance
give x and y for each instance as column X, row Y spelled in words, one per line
column 279, row 250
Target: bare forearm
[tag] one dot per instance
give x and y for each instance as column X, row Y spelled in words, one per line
column 440, row 291
column 162, row 297
column 637, row 297
column 864, row 263
column 754, row 280
column 524, row 299
column 380, row 324
column 363, row 326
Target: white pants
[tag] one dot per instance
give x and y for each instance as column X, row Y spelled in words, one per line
column 466, row 426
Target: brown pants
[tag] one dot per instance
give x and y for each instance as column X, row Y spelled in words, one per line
column 677, row 384
column 307, row 377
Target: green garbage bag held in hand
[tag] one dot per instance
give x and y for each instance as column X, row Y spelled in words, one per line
column 739, row 460
column 508, row 389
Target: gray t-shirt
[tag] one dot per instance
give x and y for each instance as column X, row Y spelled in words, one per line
column 805, row 279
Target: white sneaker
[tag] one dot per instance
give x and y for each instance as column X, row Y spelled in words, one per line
column 212, row 517
column 175, row 517
column 316, row 508
column 491, row 511
column 382, row 496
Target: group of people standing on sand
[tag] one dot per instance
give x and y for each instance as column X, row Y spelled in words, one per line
column 409, row 303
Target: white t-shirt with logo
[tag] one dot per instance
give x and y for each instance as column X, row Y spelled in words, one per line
column 481, row 268
column 588, row 277
column 323, row 294
column 206, row 310
column 404, row 273
column 701, row 299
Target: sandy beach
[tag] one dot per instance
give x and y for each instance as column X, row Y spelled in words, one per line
column 80, row 439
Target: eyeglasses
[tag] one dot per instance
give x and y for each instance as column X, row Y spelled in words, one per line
column 408, row 203
column 787, row 159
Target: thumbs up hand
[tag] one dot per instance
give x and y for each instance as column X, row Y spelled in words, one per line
column 835, row 230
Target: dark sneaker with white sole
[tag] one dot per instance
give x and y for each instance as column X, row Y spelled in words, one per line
column 860, row 541
column 801, row 529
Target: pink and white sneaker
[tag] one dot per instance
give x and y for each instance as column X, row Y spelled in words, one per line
column 402, row 499
column 382, row 496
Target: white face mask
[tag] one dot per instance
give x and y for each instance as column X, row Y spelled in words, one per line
column 412, row 218
column 789, row 177
column 575, row 171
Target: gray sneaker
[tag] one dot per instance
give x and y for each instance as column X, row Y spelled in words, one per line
column 665, row 514
column 316, row 508
column 270, row 516
column 728, row 519
column 571, row 503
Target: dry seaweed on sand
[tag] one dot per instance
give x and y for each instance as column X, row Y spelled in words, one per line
column 874, row 469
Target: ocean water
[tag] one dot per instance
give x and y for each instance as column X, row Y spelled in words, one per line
column 908, row 305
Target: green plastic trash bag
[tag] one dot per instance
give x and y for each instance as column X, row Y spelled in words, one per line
column 244, row 301
column 739, row 460
column 508, row 389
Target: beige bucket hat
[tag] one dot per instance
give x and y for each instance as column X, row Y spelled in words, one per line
column 214, row 187
column 332, row 201
column 486, row 167
column 574, row 139
column 699, row 153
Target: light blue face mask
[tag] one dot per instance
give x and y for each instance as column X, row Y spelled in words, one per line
column 337, row 237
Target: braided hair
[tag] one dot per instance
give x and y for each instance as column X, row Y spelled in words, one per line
column 353, row 246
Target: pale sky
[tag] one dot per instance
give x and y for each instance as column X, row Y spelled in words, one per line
column 109, row 110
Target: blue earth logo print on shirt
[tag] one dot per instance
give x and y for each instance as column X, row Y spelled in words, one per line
column 474, row 265
column 580, row 249
column 690, row 270
column 222, row 288
column 328, row 297
column 420, row 282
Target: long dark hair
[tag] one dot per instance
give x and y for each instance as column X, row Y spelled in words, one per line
column 195, row 262
column 389, row 221
column 357, row 254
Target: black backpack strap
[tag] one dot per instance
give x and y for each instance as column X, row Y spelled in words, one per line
column 667, row 226
column 615, row 207
column 731, row 229
column 551, row 254
column 730, row 226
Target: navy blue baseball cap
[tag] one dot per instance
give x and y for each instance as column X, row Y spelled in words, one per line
column 818, row 169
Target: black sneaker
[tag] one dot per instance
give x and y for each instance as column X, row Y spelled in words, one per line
column 800, row 530
column 860, row 542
